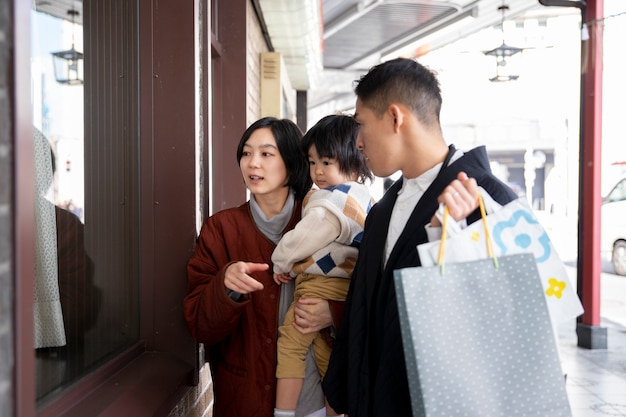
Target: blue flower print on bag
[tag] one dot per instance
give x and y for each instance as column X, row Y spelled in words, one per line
column 521, row 235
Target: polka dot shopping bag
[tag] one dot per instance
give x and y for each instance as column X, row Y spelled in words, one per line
column 478, row 340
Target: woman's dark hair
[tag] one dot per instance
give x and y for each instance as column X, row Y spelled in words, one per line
column 289, row 141
column 334, row 137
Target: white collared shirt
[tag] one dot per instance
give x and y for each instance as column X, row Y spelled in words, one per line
column 412, row 190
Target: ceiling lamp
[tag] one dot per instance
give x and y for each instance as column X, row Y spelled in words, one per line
column 68, row 65
column 501, row 53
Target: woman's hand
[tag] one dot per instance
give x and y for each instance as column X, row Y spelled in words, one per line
column 312, row 315
column 282, row 278
column 237, row 278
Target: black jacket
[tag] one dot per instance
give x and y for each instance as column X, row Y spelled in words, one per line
column 366, row 375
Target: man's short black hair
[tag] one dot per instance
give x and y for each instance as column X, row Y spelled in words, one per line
column 404, row 81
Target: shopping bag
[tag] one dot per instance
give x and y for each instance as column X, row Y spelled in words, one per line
column 478, row 340
column 514, row 229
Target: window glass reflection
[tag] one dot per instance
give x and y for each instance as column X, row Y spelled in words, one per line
column 86, row 280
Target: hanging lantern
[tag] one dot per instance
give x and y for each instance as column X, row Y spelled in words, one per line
column 69, row 64
column 502, row 53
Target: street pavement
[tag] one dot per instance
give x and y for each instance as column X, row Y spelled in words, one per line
column 596, row 378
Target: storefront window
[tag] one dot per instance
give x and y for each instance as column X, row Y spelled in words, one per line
column 86, row 307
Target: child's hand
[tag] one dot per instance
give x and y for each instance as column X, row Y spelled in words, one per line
column 282, row 278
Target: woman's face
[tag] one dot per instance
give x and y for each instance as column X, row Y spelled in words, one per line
column 262, row 165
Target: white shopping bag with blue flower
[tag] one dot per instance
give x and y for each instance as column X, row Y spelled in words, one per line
column 514, row 229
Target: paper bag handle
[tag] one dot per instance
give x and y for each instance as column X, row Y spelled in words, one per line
column 444, row 232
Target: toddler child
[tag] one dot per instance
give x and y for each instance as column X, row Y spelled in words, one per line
column 322, row 249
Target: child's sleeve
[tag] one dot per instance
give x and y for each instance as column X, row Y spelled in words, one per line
column 317, row 229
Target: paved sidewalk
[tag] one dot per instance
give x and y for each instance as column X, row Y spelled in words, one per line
column 596, row 378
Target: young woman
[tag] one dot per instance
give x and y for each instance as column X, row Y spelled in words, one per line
column 233, row 305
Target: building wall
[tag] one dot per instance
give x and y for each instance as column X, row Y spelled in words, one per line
column 6, row 234
column 256, row 45
column 199, row 400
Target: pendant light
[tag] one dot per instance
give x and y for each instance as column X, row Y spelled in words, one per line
column 501, row 53
column 69, row 64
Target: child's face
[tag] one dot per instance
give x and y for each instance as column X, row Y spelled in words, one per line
column 325, row 172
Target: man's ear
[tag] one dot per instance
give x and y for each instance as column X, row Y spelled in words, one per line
column 397, row 116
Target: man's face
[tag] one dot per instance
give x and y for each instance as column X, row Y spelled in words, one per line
column 377, row 140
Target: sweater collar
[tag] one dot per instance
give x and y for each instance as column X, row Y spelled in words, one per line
column 272, row 228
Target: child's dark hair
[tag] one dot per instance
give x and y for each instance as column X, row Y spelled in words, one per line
column 334, row 137
column 288, row 138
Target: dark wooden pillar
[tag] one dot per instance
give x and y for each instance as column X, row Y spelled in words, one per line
column 301, row 110
column 229, row 93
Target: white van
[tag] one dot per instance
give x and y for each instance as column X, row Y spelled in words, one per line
column 613, row 221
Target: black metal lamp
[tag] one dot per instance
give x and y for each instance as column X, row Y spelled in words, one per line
column 502, row 52
column 69, row 64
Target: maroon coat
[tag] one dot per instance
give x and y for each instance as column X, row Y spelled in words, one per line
column 240, row 336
